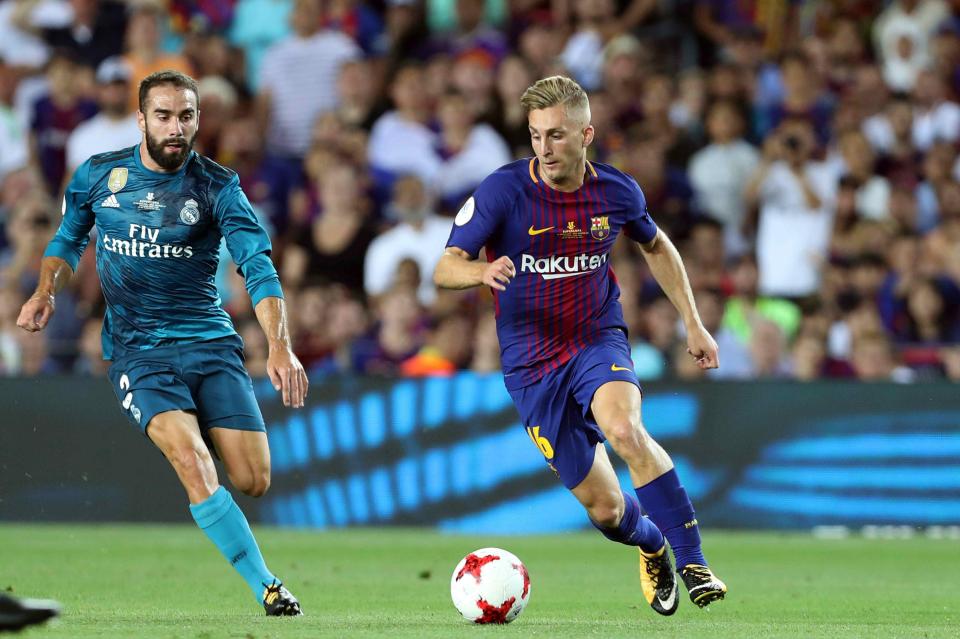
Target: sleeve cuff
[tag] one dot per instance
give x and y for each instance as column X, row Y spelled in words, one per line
column 269, row 288
column 57, row 248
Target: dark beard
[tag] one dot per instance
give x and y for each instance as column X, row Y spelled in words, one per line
column 168, row 161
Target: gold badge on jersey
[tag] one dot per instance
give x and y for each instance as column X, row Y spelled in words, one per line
column 600, row 227
column 117, row 180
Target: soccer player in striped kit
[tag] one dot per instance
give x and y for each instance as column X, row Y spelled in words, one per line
column 548, row 224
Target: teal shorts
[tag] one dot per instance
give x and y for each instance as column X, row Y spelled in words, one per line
column 205, row 378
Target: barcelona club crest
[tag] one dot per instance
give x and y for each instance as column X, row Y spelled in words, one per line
column 600, row 227
column 117, row 179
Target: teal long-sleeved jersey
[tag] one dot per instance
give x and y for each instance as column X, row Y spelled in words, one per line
column 158, row 241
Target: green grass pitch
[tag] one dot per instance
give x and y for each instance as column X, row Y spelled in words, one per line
column 170, row 582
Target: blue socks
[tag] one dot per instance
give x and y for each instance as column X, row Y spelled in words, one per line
column 223, row 522
column 634, row 529
column 667, row 503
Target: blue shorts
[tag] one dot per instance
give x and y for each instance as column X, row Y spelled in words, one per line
column 206, row 378
column 556, row 410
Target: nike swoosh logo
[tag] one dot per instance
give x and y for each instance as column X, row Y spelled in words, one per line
column 616, row 368
column 533, row 231
column 669, row 601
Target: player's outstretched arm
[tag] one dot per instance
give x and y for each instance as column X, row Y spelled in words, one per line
column 285, row 370
column 37, row 311
column 457, row 271
column 667, row 268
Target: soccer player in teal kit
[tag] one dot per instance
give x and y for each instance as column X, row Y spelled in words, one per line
column 160, row 211
column 548, row 224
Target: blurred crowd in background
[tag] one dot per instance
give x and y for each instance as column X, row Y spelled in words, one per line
column 803, row 156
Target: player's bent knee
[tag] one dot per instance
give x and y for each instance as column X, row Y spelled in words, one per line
column 241, row 481
column 252, row 483
column 262, row 485
column 626, row 434
column 606, row 515
column 259, row 485
column 607, row 510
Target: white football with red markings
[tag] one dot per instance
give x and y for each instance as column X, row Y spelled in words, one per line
column 490, row 585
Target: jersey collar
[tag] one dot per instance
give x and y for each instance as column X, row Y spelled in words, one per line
column 534, row 168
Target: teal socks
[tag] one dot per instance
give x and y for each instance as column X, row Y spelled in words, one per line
column 224, row 523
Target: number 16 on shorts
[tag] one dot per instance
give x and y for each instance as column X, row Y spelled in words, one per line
column 541, row 442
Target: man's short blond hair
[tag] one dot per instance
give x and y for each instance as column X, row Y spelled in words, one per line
column 553, row 91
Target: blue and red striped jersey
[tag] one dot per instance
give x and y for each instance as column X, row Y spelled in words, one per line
column 565, row 295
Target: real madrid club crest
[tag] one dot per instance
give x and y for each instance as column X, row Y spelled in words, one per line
column 600, row 227
column 190, row 213
column 117, row 179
